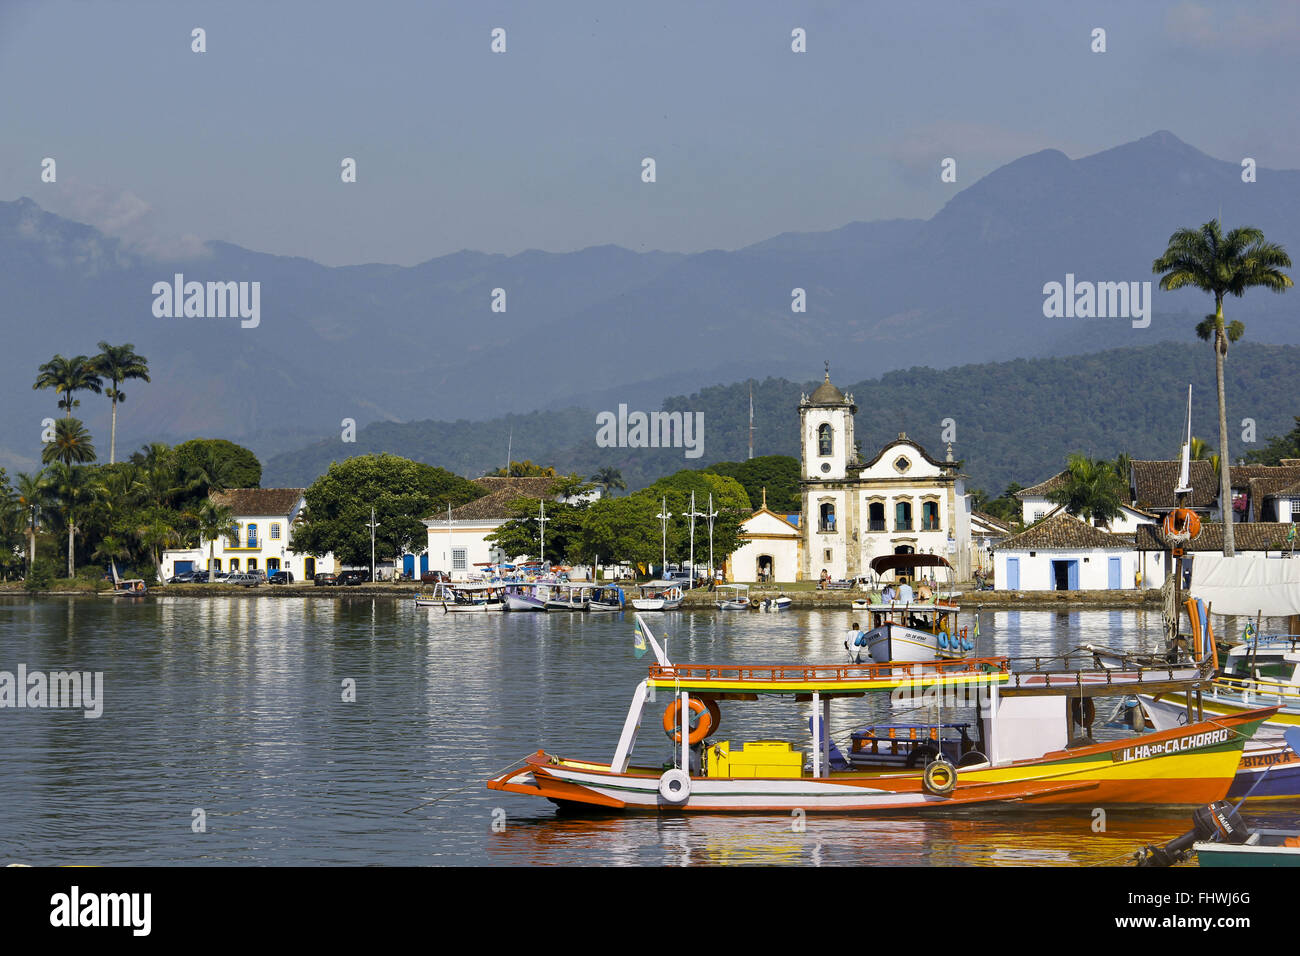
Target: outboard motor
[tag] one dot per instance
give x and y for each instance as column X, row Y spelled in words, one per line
column 1218, row 822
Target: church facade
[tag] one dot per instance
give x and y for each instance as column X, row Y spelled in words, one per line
column 900, row 501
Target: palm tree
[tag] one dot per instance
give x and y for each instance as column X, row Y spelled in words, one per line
column 211, row 472
column 118, row 363
column 1200, row 450
column 71, row 444
column 75, row 488
column 609, row 477
column 1092, row 490
column 111, row 547
column 33, row 494
column 157, row 534
column 69, row 375
column 1223, row 265
column 215, row 521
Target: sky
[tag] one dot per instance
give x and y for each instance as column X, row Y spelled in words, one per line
column 541, row 147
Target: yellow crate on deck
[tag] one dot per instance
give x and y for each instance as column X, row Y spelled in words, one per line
column 758, row 758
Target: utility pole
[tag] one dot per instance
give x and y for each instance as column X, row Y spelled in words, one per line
column 373, row 525
column 663, row 516
column 693, row 514
column 541, row 525
column 711, row 514
column 751, row 419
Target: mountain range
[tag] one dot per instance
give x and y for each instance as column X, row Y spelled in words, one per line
column 591, row 329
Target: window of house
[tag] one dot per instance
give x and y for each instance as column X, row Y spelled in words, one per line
column 252, row 564
column 215, row 563
column 252, row 535
column 929, row 516
column 903, row 516
column 233, row 541
column 458, row 559
column 825, row 442
column 1038, row 515
column 828, row 553
column 234, row 564
column 275, row 531
column 876, row 516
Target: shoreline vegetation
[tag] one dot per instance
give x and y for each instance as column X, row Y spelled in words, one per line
column 697, row 600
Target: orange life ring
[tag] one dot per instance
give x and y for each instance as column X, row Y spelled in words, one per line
column 709, row 718
column 1182, row 524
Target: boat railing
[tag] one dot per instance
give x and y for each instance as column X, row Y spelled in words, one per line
column 1042, row 673
column 803, row 673
column 1268, row 640
column 1253, row 685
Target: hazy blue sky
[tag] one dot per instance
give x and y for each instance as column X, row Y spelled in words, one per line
column 541, row 147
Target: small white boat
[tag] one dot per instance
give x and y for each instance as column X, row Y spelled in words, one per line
column 658, row 596
column 526, row 597
column 607, row 598
column 134, row 588
column 735, row 597
column 568, row 597
column 779, row 603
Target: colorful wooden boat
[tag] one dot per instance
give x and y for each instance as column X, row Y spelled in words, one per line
column 658, row 596
column 1024, row 728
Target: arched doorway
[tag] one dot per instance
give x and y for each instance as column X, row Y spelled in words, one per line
column 765, row 568
column 309, row 569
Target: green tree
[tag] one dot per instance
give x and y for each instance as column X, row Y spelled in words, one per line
column 157, row 532
column 118, row 363
column 111, row 549
column 622, row 529
column 76, row 489
column 67, row 376
column 214, row 521
column 609, row 478
column 1222, row 265
column 33, row 494
column 522, row 469
column 71, row 445
column 1278, row 447
column 214, row 464
column 401, row 491
column 1092, row 490
column 778, row 475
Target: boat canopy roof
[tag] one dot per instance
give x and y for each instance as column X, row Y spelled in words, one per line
column 660, row 584
column 745, row 681
column 891, row 562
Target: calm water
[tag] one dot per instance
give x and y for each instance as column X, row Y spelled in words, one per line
column 235, row 706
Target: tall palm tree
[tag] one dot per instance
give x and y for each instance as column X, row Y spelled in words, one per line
column 609, row 477
column 71, row 445
column 215, row 521
column 68, row 376
column 1222, row 265
column 111, row 548
column 118, row 363
column 33, row 494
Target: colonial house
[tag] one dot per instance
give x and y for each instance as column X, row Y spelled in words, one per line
column 770, row 550
column 458, row 541
column 1036, row 503
column 1259, row 538
column 1064, row 553
column 901, row 501
column 261, row 538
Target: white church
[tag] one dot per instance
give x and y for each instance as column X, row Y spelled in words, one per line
column 900, row 501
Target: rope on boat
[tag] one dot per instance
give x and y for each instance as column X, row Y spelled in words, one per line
column 448, row 793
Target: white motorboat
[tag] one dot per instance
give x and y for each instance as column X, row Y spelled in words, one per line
column 734, row 597
column 658, row 596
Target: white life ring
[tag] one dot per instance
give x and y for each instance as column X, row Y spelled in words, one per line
column 675, row 785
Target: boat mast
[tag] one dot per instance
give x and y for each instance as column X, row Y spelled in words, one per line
column 751, row 419
column 663, row 516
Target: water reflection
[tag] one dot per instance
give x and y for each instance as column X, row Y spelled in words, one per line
column 236, row 706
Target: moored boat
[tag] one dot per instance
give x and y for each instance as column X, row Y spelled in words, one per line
column 1023, row 720
column 133, row 588
column 606, row 598
column 733, row 597
column 658, row 596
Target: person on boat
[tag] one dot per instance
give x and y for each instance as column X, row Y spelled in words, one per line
column 887, row 596
column 905, row 593
column 924, row 593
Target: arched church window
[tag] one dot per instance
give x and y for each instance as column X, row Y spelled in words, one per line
column 824, row 441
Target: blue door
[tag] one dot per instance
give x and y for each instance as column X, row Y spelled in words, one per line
column 1013, row 574
column 1073, row 575
column 424, row 562
column 183, row 567
column 408, row 564
column 1114, row 581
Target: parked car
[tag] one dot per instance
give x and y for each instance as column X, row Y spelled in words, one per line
column 280, row 577
column 185, row 577
column 435, row 577
column 354, row 577
column 325, row 577
column 244, row 579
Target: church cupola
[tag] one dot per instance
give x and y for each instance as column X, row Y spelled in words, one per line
column 826, row 420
